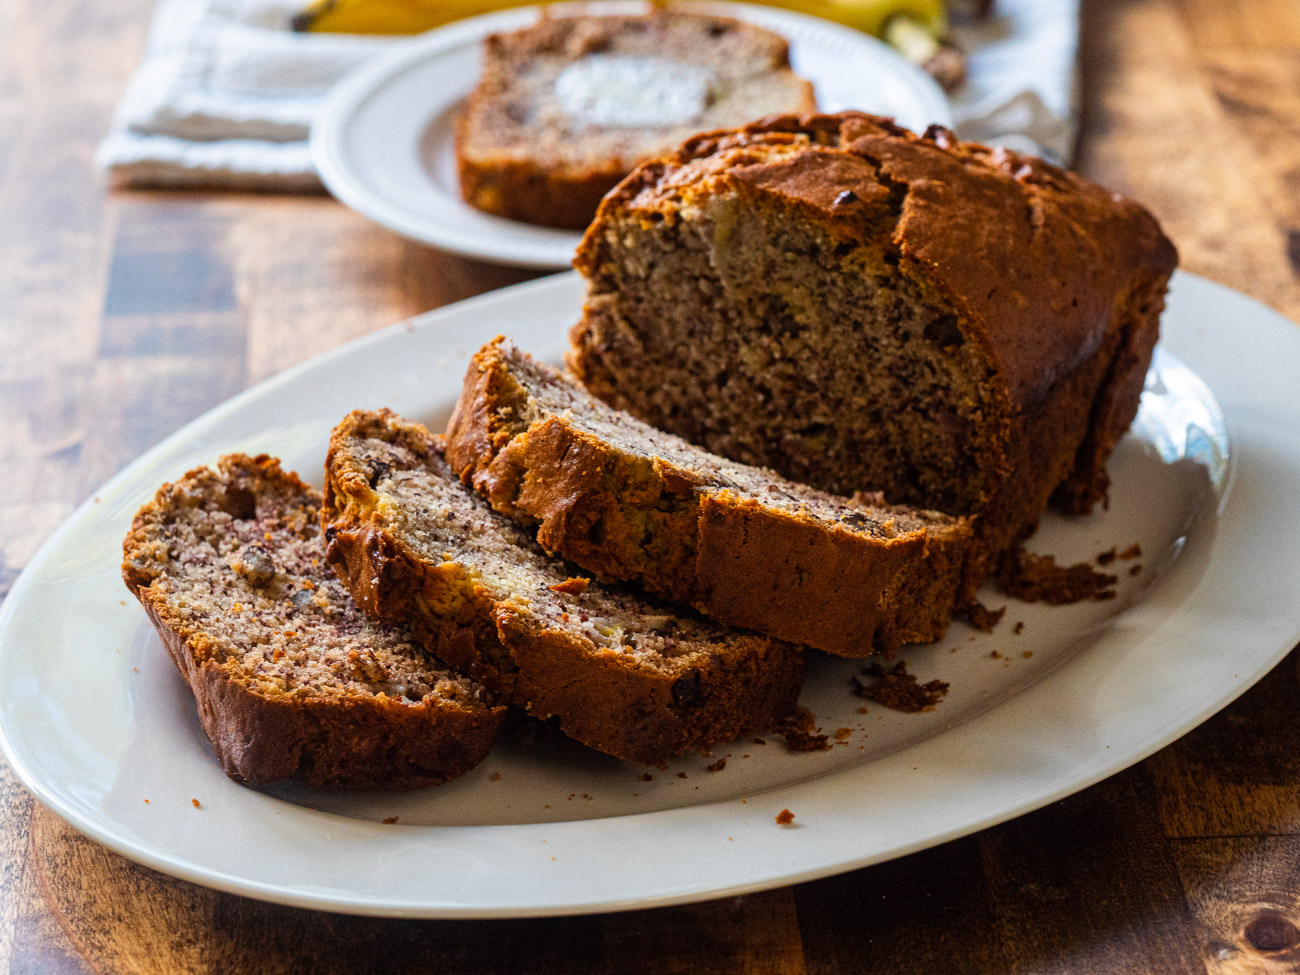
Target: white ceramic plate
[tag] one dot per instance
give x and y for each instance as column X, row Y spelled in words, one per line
column 383, row 142
column 95, row 720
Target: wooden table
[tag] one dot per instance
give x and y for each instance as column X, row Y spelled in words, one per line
column 124, row 315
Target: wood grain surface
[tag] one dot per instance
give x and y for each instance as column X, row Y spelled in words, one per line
column 124, row 315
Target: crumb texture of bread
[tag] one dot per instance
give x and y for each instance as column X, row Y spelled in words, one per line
column 290, row 677
column 623, row 673
column 860, row 308
column 744, row 545
column 566, row 108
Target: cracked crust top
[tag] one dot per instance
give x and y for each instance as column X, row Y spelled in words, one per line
column 1002, row 235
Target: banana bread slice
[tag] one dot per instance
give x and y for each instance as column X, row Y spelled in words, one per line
column 623, row 673
column 291, row 679
column 739, row 543
column 861, row 308
column 566, row 108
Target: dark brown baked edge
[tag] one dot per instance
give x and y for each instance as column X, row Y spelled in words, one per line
column 524, row 191
column 604, row 700
column 1119, row 396
column 737, row 560
column 364, row 743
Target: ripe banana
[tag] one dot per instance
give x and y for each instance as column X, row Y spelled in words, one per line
column 414, row 16
column 390, row 16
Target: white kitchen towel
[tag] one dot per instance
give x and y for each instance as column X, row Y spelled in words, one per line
column 1022, row 87
column 226, row 93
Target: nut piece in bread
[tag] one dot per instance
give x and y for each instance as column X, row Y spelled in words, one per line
column 741, row 544
column 622, row 673
column 566, row 108
column 290, row 678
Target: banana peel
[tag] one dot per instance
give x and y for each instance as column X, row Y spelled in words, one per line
column 415, row 16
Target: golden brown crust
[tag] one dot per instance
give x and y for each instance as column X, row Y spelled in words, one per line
column 605, row 699
column 625, row 516
column 262, row 736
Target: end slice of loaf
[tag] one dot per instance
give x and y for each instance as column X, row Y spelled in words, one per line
column 961, row 327
column 566, row 108
column 623, row 673
column 741, row 544
column 291, row 679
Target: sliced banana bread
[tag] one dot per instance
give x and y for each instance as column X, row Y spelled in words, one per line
column 566, row 108
column 741, row 544
column 623, row 673
column 291, row 679
column 860, row 308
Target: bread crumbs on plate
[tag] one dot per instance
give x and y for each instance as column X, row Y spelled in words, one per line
column 389, row 820
column 898, row 688
column 983, row 618
column 785, row 818
column 196, row 804
column 800, row 732
column 1037, row 578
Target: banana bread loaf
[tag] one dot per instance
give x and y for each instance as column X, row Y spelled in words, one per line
column 290, row 678
column 623, row 674
column 566, row 108
column 860, row 308
column 740, row 544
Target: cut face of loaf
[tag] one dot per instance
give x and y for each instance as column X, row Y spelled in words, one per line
column 624, row 674
column 741, row 544
column 566, row 108
column 291, row 679
column 959, row 327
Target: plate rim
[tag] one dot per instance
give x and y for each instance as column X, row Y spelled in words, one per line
column 328, row 143
column 318, row 899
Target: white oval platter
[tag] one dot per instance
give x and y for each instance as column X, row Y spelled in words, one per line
column 95, row 720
